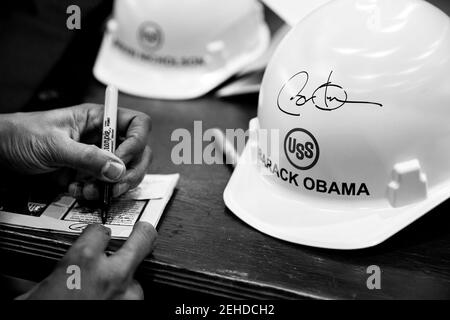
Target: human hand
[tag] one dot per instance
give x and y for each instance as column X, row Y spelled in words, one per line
column 101, row 277
column 42, row 142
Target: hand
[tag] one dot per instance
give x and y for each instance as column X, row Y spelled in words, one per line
column 42, row 142
column 101, row 277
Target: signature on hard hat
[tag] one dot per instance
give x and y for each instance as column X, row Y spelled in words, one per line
column 327, row 97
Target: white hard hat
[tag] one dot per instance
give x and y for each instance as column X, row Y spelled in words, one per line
column 173, row 49
column 359, row 93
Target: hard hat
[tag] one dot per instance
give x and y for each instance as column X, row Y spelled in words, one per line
column 359, row 95
column 169, row 49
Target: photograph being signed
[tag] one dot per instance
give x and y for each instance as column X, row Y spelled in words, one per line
column 328, row 96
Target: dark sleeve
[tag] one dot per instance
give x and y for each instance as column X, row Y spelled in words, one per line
column 34, row 43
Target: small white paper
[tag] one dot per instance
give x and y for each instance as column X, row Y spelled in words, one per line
column 64, row 214
column 152, row 187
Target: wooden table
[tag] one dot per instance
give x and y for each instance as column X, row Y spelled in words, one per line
column 203, row 247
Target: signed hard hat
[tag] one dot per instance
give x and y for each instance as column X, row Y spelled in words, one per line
column 179, row 50
column 352, row 139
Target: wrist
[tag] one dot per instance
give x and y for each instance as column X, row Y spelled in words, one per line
column 6, row 133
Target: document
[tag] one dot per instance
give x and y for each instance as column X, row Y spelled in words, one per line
column 65, row 214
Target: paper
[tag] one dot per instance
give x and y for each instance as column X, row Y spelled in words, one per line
column 64, row 214
column 121, row 213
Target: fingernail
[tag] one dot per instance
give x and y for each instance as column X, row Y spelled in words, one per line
column 90, row 192
column 113, row 170
column 120, row 189
column 75, row 190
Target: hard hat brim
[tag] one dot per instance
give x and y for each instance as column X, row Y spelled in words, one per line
column 251, row 198
column 152, row 81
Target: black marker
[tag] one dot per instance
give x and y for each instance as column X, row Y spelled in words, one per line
column 108, row 143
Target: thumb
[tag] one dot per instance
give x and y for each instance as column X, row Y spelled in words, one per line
column 99, row 163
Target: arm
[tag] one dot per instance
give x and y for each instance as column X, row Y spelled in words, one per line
column 57, row 140
column 100, row 276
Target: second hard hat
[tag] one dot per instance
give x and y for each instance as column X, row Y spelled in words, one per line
column 173, row 49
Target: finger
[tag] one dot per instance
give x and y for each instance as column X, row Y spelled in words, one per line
column 76, row 187
column 136, row 128
column 91, row 191
column 99, row 163
column 76, row 190
column 135, row 173
column 88, row 190
column 92, row 242
column 120, row 189
column 88, row 117
column 139, row 244
column 133, row 292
